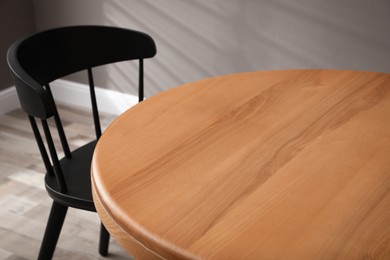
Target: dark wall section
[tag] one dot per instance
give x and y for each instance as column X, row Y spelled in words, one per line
column 16, row 20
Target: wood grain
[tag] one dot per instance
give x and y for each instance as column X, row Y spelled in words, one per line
column 261, row 165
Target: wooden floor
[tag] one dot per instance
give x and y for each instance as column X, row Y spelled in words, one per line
column 24, row 203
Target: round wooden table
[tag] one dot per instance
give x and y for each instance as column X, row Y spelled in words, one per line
column 260, row 165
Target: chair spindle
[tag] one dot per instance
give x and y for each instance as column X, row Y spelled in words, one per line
column 41, row 146
column 95, row 111
column 60, row 129
column 141, row 81
column 57, row 167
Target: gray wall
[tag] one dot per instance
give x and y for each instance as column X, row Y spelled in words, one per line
column 16, row 20
column 205, row 38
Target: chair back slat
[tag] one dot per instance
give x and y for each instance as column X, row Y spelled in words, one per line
column 55, row 53
column 95, row 111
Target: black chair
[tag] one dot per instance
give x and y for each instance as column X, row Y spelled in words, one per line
column 46, row 56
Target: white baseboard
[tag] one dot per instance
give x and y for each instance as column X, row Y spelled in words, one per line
column 8, row 100
column 77, row 95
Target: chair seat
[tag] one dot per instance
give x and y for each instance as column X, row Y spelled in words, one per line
column 77, row 176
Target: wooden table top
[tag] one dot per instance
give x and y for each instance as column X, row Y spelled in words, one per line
column 260, row 165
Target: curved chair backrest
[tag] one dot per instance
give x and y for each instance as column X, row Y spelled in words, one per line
column 39, row 59
column 43, row 57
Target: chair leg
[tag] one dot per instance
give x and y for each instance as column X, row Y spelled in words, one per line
column 104, row 240
column 53, row 230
